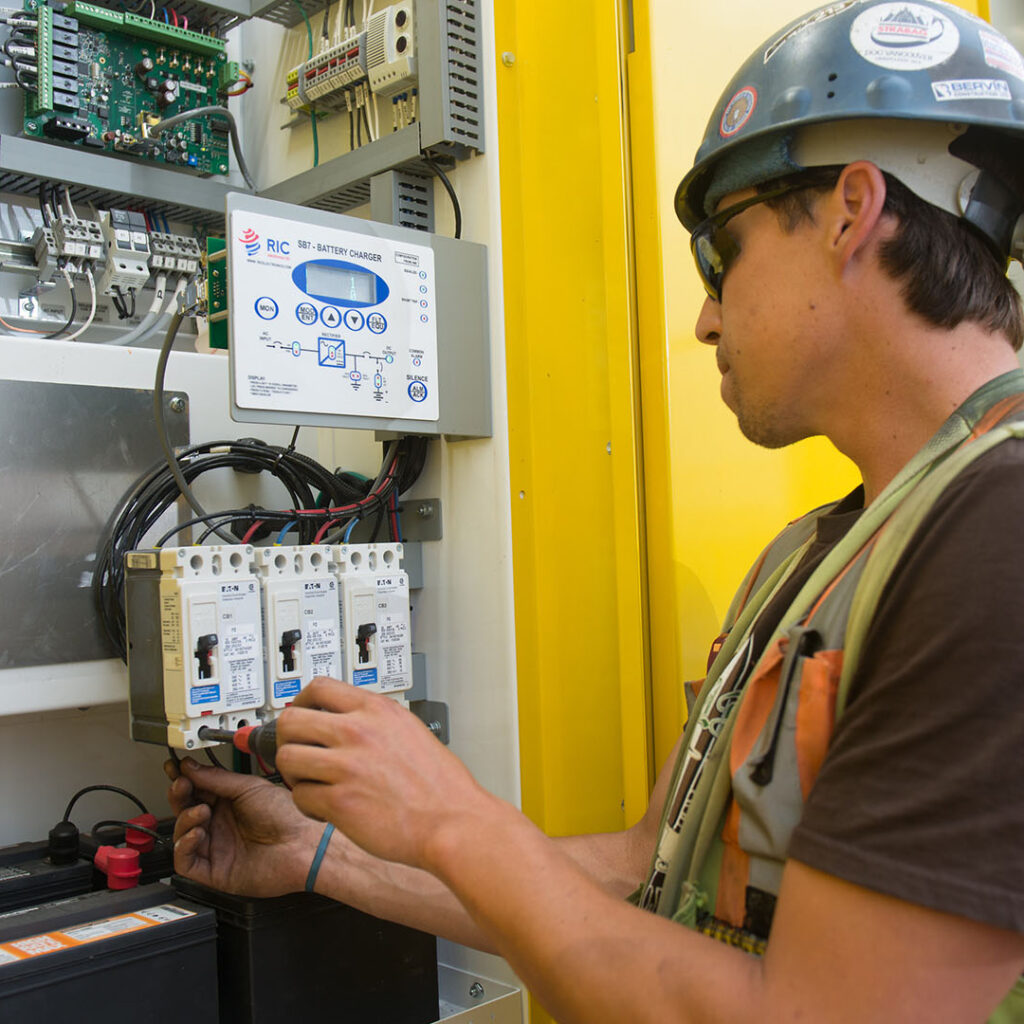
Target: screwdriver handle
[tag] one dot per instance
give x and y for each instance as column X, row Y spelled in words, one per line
column 260, row 740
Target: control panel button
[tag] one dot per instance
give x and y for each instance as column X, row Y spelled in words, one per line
column 330, row 317
column 305, row 313
column 376, row 323
column 266, row 308
column 353, row 320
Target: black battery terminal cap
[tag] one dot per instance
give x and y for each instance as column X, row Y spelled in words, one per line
column 62, row 843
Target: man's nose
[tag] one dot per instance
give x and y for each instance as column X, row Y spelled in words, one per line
column 709, row 322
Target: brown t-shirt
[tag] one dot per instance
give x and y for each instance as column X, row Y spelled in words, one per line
column 921, row 795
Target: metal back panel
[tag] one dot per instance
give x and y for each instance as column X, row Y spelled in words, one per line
column 68, row 453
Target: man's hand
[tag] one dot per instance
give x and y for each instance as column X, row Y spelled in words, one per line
column 237, row 833
column 366, row 764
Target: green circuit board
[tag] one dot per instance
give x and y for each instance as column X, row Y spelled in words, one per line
column 105, row 77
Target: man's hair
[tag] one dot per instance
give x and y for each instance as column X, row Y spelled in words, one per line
column 949, row 272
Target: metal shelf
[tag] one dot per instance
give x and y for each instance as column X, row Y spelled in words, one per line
column 109, row 181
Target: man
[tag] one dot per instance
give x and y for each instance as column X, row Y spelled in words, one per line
column 850, row 780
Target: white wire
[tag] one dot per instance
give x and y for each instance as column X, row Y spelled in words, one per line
column 376, row 117
column 146, row 324
column 92, row 307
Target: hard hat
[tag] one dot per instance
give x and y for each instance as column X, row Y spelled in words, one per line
column 906, row 85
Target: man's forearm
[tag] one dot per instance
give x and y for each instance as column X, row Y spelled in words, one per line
column 419, row 900
column 396, row 893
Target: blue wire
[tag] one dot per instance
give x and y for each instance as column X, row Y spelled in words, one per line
column 348, row 532
column 398, row 518
column 166, row 19
column 287, row 527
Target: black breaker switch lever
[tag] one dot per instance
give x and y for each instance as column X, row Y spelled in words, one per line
column 204, row 654
column 289, row 638
column 363, row 634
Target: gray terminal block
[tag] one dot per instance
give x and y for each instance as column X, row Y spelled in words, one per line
column 342, row 322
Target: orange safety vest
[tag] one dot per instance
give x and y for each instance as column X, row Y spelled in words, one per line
column 757, row 736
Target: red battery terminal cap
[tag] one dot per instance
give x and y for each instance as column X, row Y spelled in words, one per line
column 139, row 840
column 121, row 866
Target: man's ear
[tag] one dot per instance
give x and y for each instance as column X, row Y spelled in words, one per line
column 854, row 209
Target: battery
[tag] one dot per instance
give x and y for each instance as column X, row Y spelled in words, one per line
column 27, row 878
column 81, row 959
column 304, row 957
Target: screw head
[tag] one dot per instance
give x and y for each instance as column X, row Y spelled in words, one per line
column 476, row 990
column 190, row 744
column 508, row 58
column 434, row 727
column 425, row 511
column 177, row 404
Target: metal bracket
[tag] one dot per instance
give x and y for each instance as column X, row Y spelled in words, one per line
column 421, row 519
column 433, row 714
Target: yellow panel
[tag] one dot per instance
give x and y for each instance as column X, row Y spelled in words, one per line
column 576, row 520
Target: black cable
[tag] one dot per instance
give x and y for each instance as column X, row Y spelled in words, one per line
column 161, row 424
column 351, row 130
column 317, row 495
column 43, row 201
column 213, row 759
column 429, row 161
column 106, row 789
column 366, row 121
column 73, row 314
column 117, row 300
column 132, row 292
column 112, row 823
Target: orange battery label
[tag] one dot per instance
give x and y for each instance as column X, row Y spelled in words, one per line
column 91, row 931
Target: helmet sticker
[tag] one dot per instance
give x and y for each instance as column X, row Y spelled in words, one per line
column 972, row 89
column 1001, row 55
column 822, row 14
column 904, row 36
column 737, row 111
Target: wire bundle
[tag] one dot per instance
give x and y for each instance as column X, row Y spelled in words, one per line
column 320, row 499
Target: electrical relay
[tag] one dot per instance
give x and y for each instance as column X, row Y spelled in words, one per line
column 195, row 641
column 376, row 643
column 300, row 606
column 104, row 78
column 226, row 636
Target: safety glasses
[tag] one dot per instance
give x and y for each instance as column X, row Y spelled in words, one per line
column 714, row 249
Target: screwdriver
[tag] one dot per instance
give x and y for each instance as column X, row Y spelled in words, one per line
column 260, row 740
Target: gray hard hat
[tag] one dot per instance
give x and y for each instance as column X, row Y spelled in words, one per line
column 910, row 86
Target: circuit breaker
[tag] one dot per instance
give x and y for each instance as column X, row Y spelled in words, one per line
column 195, row 649
column 301, row 625
column 376, row 642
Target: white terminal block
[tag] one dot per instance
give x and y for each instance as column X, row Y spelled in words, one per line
column 376, row 636
column 301, row 620
column 210, row 634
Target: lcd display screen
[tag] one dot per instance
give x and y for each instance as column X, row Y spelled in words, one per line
column 333, row 282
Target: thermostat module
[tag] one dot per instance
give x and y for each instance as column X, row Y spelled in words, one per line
column 342, row 322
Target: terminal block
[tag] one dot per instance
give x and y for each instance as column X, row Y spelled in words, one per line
column 175, row 254
column 326, row 77
column 195, row 651
column 301, row 619
column 126, row 245
column 376, row 638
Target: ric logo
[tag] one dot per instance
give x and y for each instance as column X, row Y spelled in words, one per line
column 251, row 240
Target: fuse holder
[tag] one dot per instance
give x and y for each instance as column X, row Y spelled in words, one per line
column 121, row 866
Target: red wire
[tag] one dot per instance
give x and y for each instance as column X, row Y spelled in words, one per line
column 252, row 529
column 323, row 529
column 174, row 15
